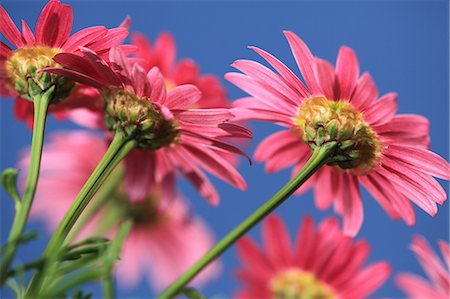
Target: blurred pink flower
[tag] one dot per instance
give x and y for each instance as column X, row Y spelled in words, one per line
column 186, row 71
column 52, row 35
column 438, row 272
column 323, row 264
column 161, row 226
column 187, row 139
column 400, row 168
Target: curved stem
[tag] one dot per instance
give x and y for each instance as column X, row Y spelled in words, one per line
column 320, row 157
column 41, row 102
column 117, row 150
column 112, row 255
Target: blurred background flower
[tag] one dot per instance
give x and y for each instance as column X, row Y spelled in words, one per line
column 403, row 44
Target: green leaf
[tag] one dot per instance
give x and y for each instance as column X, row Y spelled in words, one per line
column 8, row 181
column 192, row 293
column 25, row 238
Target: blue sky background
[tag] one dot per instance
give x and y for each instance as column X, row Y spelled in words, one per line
column 403, row 44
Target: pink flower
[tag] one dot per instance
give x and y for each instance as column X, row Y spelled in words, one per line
column 387, row 153
column 52, row 36
column 438, row 272
column 162, row 225
column 170, row 134
column 186, row 71
column 323, row 264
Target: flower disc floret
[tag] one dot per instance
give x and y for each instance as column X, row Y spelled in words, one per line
column 138, row 116
column 297, row 284
column 322, row 121
column 23, row 71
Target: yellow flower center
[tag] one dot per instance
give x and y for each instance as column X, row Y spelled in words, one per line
column 23, row 73
column 136, row 116
column 359, row 148
column 296, row 284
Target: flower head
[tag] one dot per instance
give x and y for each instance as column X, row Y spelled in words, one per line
column 185, row 71
column 438, row 272
column 385, row 152
column 323, row 264
column 170, row 134
column 162, row 223
column 20, row 74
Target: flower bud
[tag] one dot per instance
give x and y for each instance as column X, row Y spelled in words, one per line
column 140, row 118
column 358, row 149
column 23, row 70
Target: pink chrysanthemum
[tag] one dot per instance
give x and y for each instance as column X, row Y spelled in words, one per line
column 52, row 36
column 161, row 225
column 186, row 71
column 438, row 272
column 172, row 135
column 385, row 152
column 323, row 264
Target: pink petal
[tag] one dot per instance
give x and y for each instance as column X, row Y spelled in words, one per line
column 304, row 59
column 269, row 79
column 252, row 257
column 382, row 111
column 276, row 241
column 261, row 93
column 9, row 30
column 185, row 72
column 367, row 281
column 166, row 49
column 139, row 174
column 205, row 116
column 183, row 96
column 84, row 37
column 324, row 73
column 273, row 142
column 365, row 92
column 284, row 71
column 158, row 87
column 76, row 76
column 416, row 287
column 323, row 194
column 140, row 82
column 216, row 165
column 347, row 72
column 54, row 24
column 420, row 159
column 352, row 205
column 410, row 189
column 27, row 34
column 306, row 241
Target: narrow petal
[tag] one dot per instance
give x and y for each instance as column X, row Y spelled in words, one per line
column 83, row 38
column 27, row 34
column 420, row 159
column 166, row 49
column 158, row 87
column 352, row 205
column 324, row 72
column 304, row 59
column 141, row 85
column 284, row 71
column 54, row 24
column 347, row 72
column 9, row 30
column 276, row 241
column 382, row 111
column 365, row 92
column 183, row 96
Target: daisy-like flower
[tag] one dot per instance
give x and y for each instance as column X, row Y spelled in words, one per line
column 385, row 152
column 169, row 134
column 438, row 272
column 323, row 263
column 185, row 71
column 161, row 225
column 19, row 67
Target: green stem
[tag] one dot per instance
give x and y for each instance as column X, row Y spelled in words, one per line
column 320, row 157
column 101, row 197
column 112, row 255
column 41, row 102
column 117, row 150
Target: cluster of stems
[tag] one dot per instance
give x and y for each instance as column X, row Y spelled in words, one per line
column 50, row 263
